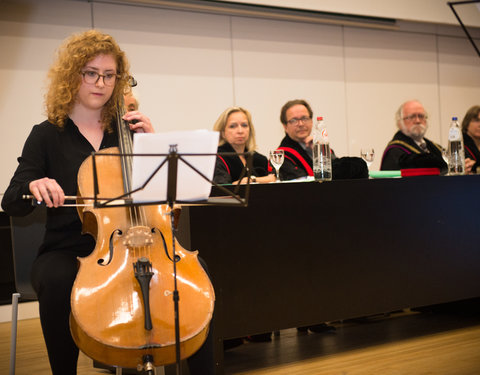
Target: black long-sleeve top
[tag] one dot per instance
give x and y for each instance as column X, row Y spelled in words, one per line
column 57, row 153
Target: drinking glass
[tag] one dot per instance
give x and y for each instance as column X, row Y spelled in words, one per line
column 276, row 158
column 445, row 155
column 367, row 154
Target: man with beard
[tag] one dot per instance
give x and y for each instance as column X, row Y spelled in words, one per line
column 409, row 148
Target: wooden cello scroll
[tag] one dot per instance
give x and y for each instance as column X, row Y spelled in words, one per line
column 122, row 305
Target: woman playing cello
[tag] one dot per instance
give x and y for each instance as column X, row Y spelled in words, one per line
column 90, row 75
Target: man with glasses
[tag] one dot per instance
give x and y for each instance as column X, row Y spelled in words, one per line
column 296, row 117
column 409, row 148
column 131, row 102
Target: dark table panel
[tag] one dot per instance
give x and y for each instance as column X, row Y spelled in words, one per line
column 304, row 253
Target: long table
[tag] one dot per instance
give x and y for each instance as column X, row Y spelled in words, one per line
column 305, row 253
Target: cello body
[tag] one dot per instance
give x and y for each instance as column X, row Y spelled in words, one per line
column 108, row 314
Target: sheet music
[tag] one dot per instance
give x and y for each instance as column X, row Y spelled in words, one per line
column 190, row 185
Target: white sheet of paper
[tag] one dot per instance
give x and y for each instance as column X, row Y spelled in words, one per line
column 190, row 185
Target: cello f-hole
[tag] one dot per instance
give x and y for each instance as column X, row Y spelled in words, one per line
column 110, row 249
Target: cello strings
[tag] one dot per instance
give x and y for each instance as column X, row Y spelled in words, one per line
column 123, row 135
column 136, row 213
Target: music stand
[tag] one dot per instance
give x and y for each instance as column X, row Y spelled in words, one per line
column 232, row 198
column 452, row 5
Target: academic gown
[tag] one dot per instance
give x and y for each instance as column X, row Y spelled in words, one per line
column 229, row 168
column 403, row 153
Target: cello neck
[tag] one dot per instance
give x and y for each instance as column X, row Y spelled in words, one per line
column 125, row 144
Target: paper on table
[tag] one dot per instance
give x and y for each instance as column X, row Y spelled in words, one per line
column 190, row 185
column 384, row 174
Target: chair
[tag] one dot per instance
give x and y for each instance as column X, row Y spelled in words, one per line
column 27, row 235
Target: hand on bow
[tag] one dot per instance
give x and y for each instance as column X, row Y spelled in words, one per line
column 47, row 190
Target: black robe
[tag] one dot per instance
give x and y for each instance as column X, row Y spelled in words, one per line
column 403, row 153
column 298, row 163
column 471, row 151
column 229, row 168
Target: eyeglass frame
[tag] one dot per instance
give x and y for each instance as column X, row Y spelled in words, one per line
column 98, row 77
column 413, row 116
column 295, row 121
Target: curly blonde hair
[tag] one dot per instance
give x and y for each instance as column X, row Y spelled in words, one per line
column 221, row 124
column 65, row 75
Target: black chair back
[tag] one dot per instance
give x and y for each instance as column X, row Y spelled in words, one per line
column 27, row 236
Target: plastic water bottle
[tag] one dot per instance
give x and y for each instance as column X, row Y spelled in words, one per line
column 456, row 152
column 322, row 157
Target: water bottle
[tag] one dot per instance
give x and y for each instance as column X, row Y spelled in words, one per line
column 322, row 157
column 456, row 152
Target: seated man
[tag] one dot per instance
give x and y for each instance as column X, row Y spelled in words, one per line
column 409, row 148
column 131, row 102
column 296, row 117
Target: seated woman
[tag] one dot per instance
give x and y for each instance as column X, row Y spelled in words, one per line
column 238, row 135
column 471, row 139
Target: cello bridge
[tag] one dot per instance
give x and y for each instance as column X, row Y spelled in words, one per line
column 138, row 236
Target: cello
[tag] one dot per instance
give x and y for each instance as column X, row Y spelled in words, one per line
column 122, row 298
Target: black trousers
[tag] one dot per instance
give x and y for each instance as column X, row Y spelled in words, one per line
column 53, row 274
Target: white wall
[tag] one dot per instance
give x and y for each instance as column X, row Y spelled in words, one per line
column 191, row 66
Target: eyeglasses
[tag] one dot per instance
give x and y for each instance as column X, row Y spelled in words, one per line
column 92, row 77
column 413, row 116
column 295, row 121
